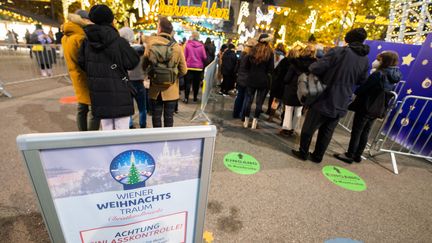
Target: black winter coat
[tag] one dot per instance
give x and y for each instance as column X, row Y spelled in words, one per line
column 210, row 50
column 299, row 65
column 277, row 84
column 377, row 82
column 242, row 71
column 260, row 74
column 341, row 69
column 229, row 63
column 106, row 57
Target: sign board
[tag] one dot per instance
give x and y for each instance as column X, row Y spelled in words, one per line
column 204, row 11
column 142, row 185
column 241, row 163
column 344, row 178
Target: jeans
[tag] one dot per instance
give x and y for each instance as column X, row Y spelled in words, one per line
column 325, row 126
column 85, row 119
column 260, row 97
column 141, row 100
column 359, row 135
column 238, row 103
column 165, row 107
column 193, row 78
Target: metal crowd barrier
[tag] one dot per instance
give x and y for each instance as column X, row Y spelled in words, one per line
column 209, row 78
column 408, row 132
column 22, row 63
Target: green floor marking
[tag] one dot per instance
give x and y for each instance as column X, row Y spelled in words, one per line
column 344, row 178
column 241, row 163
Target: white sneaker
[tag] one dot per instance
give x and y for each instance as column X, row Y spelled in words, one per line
column 44, row 73
column 246, row 122
column 254, row 123
column 50, row 72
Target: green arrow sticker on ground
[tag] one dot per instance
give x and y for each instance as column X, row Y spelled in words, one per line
column 344, row 178
column 241, row 163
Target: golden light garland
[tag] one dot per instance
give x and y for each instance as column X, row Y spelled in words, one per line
column 18, row 17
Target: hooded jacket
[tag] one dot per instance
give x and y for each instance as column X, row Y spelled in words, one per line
column 298, row 66
column 259, row 73
column 168, row 93
column 106, row 57
column 71, row 42
column 195, row 55
column 340, row 69
column 379, row 81
column 229, row 63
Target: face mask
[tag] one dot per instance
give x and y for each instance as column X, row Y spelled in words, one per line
column 376, row 64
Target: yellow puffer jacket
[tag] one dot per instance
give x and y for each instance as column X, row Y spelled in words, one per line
column 71, row 42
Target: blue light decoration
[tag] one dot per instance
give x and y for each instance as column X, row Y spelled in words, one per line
column 412, row 128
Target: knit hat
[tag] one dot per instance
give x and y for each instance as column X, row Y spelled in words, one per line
column 356, row 35
column 101, row 15
column 127, row 33
column 82, row 13
column 265, row 38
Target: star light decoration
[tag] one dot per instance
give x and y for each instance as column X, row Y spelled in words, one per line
column 409, row 91
column 208, row 236
column 406, row 60
column 426, row 127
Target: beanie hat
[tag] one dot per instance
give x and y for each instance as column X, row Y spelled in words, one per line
column 101, row 15
column 356, row 35
column 127, row 33
column 82, row 13
column 265, row 38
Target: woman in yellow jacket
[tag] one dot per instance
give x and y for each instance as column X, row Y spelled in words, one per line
column 71, row 42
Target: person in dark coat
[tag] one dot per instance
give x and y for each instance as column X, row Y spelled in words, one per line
column 106, row 57
column 229, row 63
column 260, row 65
column 242, row 77
column 210, row 50
column 293, row 107
column 340, row 69
column 382, row 80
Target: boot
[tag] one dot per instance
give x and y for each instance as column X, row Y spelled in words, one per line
column 246, row 122
column 254, row 123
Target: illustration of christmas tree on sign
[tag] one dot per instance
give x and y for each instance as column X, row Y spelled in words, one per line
column 132, row 168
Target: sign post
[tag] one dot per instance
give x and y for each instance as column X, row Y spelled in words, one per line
column 146, row 185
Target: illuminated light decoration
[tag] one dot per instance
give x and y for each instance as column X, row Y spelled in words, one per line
column 139, row 5
column 312, row 20
column 244, row 11
column 260, row 17
column 282, row 33
column 406, row 60
column 172, row 9
column 146, row 7
column 410, row 21
column 132, row 20
column 246, row 35
column 16, row 16
column 279, row 10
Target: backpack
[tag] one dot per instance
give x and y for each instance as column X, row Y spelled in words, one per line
column 160, row 72
column 309, row 88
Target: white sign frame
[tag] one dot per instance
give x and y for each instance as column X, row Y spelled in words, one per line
column 30, row 146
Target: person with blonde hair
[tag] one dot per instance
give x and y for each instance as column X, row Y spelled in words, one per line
column 293, row 107
column 242, row 76
column 260, row 65
column 196, row 57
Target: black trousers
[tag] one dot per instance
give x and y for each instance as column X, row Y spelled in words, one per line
column 359, row 135
column 167, row 108
column 193, row 78
column 85, row 119
column 260, row 97
column 227, row 83
column 325, row 126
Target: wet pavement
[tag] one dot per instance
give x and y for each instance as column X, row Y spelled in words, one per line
column 288, row 200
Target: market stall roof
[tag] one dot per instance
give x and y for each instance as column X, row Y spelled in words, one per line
column 38, row 18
